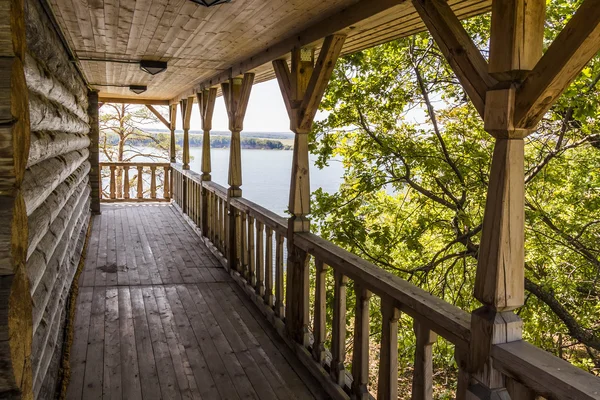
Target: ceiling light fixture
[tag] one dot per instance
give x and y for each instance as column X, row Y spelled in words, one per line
column 209, row 3
column 153, row 67
column 138, row 89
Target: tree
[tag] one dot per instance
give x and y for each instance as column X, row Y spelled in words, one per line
column 417, row 163
column 123, row 139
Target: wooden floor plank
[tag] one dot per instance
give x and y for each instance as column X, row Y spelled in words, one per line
column 78, row 352
column 112, row 347
column 94, row 367
column 130, row 372
column 143, row 343
column 199, row 365
column 158, row 318
column 164, row 364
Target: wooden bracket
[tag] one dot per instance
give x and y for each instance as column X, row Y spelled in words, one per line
column 206, row 104
column 236, row 94
column 303, row 87
column 159, row 116
column 463, row 56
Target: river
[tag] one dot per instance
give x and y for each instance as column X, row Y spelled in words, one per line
column 266, row 175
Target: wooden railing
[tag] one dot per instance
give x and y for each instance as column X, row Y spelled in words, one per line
column 135, row 182
column 259, row 267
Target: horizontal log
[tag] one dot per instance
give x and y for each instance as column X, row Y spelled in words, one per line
column 41, row 81
column 41, row 179
column 58, row 234
column 47, row 115
column 43, row 216
column 44, row 339
column 45, row 145
column 44, row 44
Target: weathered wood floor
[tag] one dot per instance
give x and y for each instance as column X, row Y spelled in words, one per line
column 158, row 317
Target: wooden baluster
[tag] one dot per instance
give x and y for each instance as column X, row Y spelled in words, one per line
column 140, row 182
column 269, row 267
column 225, row 228
column 216, row 221
column 320, row 323
column 260, row 259
column 360, row 355
column 126, row 182
column 198, row 205
column 422, row 386
column 243, row 244
column 279, row 300
column 192, row 202
column 113, row 183
column 166, row 187
column 237, row 243
column 388, row 356
column 101, row 189
column 251, row 252
column 153, row 182
column 338, row 338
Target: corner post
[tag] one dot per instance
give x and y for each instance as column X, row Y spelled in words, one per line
column 236, row 93
column 94, row 151
column 206, row 103
column 516, row 46
column 172, row 125
column 302, row 91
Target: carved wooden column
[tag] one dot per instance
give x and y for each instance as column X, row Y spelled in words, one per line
column 95, row 174
column 186, row 112
column 206, row 103
column 236, row 93
column 515, row 48
column 172, row 125
column 302, row 89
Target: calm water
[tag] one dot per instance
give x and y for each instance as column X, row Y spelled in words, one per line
column 266, row 175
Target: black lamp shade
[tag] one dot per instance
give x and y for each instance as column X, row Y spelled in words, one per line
column 208, row 3
column 138, row 89
column 153, row 67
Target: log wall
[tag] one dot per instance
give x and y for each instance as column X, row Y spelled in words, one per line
column 55, row 189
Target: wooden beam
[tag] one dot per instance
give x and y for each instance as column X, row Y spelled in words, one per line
column 332, row 47
column 130, row 100
column 159, row 116
column 572, row 49
column 335, row 23
column 282, row 73
column 463, row 56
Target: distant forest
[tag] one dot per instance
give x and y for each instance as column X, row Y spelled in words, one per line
column 249, row 140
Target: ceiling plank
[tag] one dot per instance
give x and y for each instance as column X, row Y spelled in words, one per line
column 346, row 17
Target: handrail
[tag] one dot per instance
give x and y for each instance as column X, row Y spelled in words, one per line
column 120, row 185
column 257, row 263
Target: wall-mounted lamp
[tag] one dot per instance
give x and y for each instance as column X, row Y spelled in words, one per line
column 138, row 89
column 209, row 3
column 153, row 67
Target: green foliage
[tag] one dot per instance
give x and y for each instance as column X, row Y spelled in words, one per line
column 417, row 164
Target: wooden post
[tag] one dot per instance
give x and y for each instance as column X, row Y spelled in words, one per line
column 515, row 48
column 15, row 300
column 388, row 355
column 172, row 125
column 186, row 111
column 152, row 182
column 206, row 103
column 95, row 175
column 360, row 355
column 113, row 183
column 236, row 93
column 302, row 90
column 422, row 387
column 167, row 184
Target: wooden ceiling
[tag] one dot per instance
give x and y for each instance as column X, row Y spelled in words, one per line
column 203, row 46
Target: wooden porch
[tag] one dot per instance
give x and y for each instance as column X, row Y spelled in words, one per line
column 157, row 316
